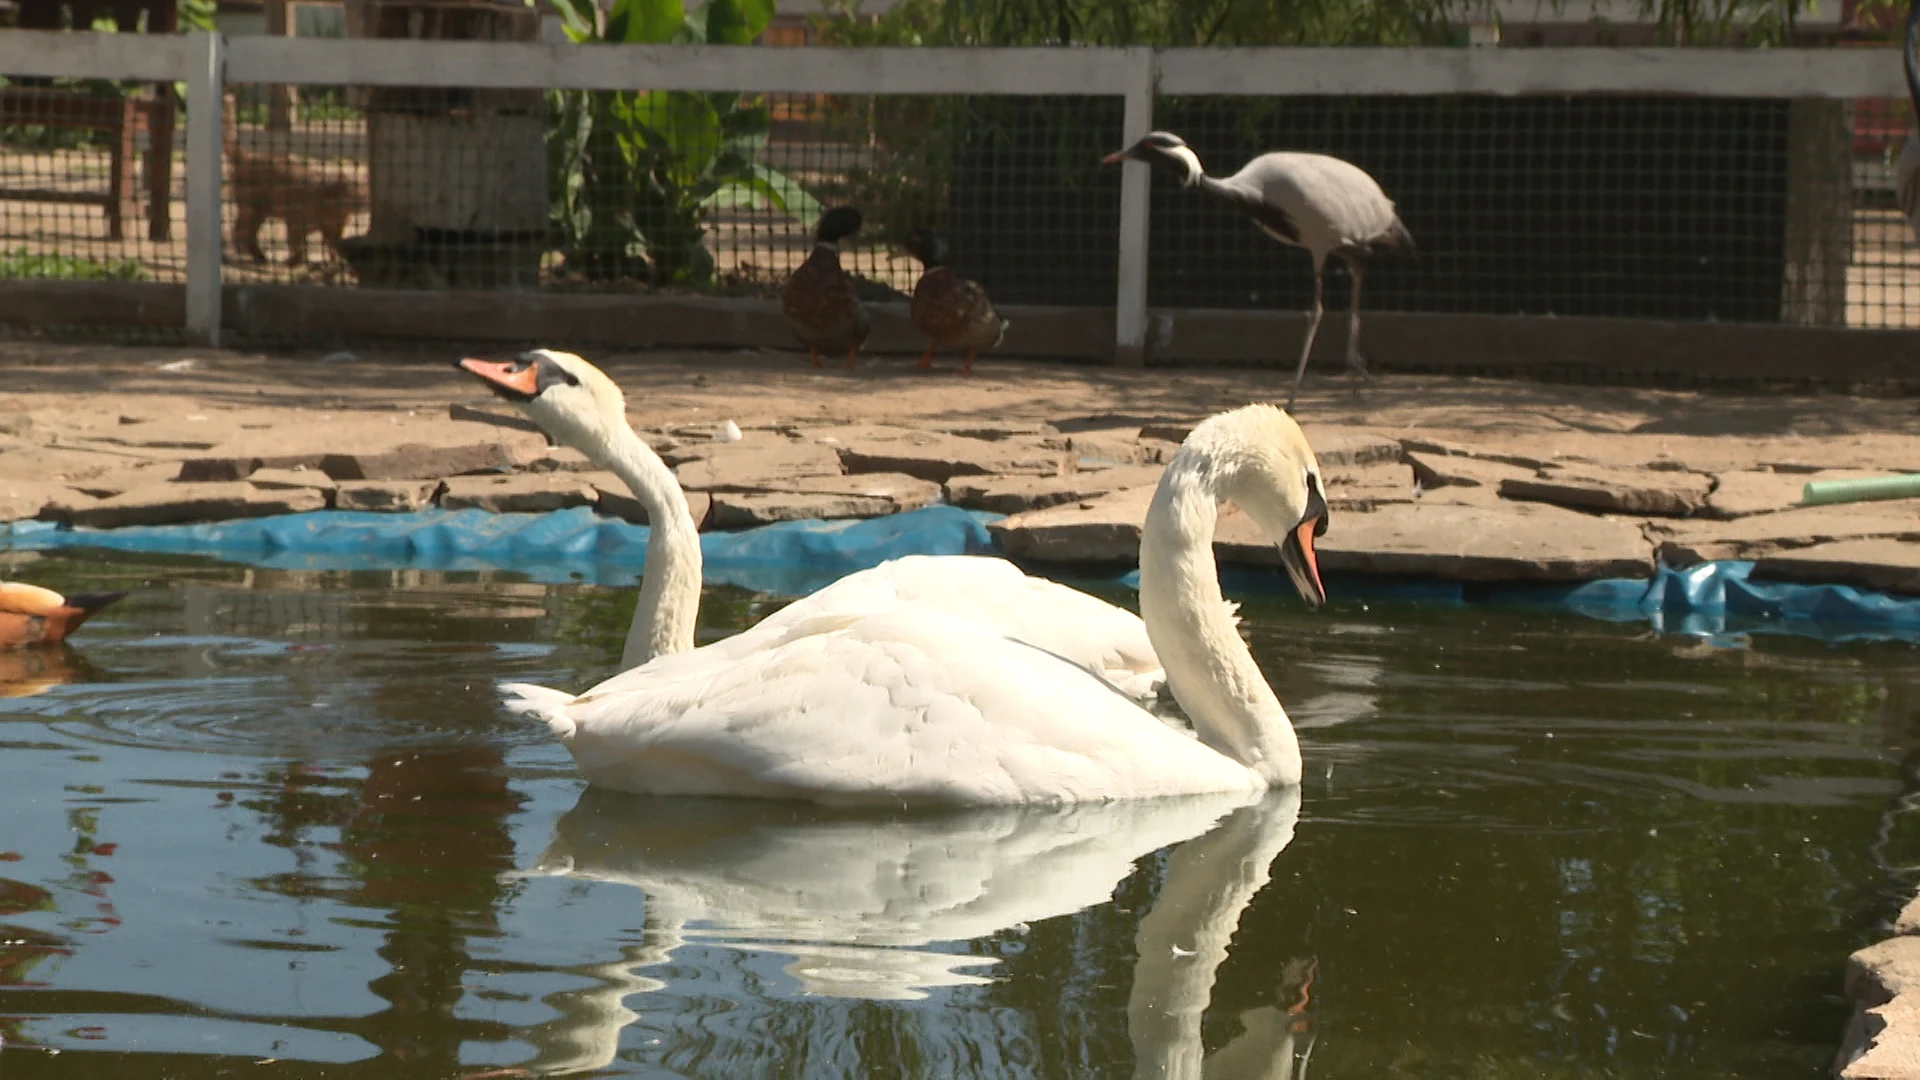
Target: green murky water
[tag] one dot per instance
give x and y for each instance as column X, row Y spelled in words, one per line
column 265, row 823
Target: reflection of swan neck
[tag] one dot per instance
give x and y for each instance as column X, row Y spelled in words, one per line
column 670, row 589
column 1209, row 669
column 1209, row 882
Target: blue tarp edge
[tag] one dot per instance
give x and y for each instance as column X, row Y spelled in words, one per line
column 796, row 557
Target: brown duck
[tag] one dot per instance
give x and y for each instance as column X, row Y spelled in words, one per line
column 819, row 301
column 31, row 615
column 948, row 308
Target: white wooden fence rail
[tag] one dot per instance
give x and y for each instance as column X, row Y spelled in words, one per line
column 207, row 62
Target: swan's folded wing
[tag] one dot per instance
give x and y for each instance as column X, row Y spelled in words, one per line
column 906, row 705
column 997, row 595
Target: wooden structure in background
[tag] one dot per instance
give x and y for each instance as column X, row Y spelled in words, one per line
column 456, row 175
column 124, row 119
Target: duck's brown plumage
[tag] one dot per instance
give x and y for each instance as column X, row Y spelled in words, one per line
column 951, row 310
column 31, row 615
column 819, row 302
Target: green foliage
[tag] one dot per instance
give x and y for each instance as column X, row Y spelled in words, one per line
column 197, row 15
column 634, row 175
column 1201, row 23
column 20, row 263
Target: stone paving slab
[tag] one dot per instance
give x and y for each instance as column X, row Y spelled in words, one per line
column 753, row 465
column 1683, row 543
column 1366, row 488
column 1668, row 493
column 177, row 504
column 1436, row 470
column 1020, row 494
column 1100, row 530
column 1515, row 542
column 518, row 493
column 936, row 456
column 22, row 498
column 745, row 509
column 903, row 491
column 1883, row 565
column 292, row 478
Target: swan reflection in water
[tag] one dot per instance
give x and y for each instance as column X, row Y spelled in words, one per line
column 855, row 899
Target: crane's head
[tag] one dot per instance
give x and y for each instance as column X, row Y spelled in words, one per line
column 1166, row 150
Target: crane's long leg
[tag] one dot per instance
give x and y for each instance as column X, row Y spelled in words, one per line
column 1306, row 347
column 1358, row 270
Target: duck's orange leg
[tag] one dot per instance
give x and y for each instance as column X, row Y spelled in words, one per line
column 969, row 367
column 850, row 353
column 926, row 358
column 813, row 354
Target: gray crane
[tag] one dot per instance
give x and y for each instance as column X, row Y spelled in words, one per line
column 1323, row 204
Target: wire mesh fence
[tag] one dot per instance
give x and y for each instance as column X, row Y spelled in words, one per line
column 675, row 191
column 90, row 181
column 1751, row 210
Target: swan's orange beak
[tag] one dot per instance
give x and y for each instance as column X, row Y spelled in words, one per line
column 512, row 380
column 1303, row 566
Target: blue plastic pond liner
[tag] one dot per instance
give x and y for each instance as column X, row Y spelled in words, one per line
column 791, row 558
column 1712, row 600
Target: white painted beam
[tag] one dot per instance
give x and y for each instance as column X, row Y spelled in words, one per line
column 1763, row 73
column 205, row 92
column 1130, row 299
column 539, row 65
column 57, row 54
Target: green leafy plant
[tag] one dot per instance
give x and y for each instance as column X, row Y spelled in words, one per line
column 635, row 174
column 21, row 263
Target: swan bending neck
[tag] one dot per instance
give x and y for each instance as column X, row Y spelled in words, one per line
column 1209, row 668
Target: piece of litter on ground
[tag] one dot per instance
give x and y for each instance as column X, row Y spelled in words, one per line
column 727, row 432
column 1178, row 951
column 179, row 365
column 341, row 357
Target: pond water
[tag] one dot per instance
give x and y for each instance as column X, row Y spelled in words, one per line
column 269, row 823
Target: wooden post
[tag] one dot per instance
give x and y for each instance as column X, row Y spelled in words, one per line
column 205, row 88
column 1819, row 224
column 280, row 96
column 1130, row 301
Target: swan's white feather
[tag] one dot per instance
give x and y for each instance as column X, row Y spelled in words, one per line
column 908, row 705
column 996, row 595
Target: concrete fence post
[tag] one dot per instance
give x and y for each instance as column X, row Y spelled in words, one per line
column 1130, row 301
column 206, row 88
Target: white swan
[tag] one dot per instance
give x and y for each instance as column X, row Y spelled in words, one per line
column 915, row 705
column 580, row 406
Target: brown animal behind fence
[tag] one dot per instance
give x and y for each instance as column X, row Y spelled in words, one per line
column 275, row 184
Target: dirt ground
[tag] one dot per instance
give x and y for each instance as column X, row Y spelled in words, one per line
column 762, row 388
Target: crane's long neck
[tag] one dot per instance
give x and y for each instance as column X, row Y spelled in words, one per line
column 1209, row 669
column 669, row 604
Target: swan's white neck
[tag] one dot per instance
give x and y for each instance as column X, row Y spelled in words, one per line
column 1209, row 669
column 670, row 589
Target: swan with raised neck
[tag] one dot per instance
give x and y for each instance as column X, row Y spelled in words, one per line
column 576, row 404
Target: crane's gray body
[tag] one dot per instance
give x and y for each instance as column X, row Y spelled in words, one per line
column 1320, row 203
